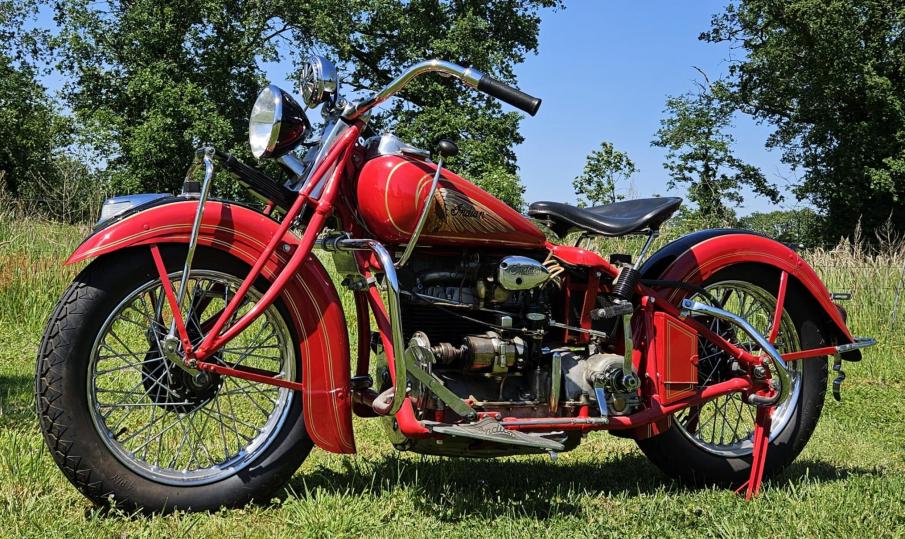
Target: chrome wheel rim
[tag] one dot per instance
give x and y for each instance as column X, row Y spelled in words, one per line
column 724, row 426
column 166, row 424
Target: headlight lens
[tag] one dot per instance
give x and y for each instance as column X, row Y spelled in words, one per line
column 277, row 123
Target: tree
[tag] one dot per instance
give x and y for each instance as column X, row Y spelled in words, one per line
column 603, row 170
column 700, row 155
column 31, row 129
column 801, row 227
column 828, row 75
column 153, row 79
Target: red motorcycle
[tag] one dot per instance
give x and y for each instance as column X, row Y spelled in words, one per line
column 203, row 353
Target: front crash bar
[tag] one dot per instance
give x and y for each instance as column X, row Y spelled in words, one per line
column 400, row 374
column 783, row 380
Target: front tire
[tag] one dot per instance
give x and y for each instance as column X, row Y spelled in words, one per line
column 128, row 427
column 697, row 452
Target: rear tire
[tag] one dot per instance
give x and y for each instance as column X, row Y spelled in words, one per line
column 682, row 456
column 105, row 465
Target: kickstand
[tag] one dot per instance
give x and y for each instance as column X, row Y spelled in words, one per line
column 761, row 443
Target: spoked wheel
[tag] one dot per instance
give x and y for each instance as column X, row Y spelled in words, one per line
column 123, row 421
column 725, row 426
column 712, row 443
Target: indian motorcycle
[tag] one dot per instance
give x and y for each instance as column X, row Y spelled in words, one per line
column 203, row 352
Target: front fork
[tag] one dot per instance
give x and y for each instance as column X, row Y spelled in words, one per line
column 195, row 359
column 172, row 342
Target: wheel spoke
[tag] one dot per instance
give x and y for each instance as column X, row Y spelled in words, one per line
column 160, row 420
column 724, row 425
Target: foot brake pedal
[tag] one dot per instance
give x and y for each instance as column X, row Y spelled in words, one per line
column 491, row 430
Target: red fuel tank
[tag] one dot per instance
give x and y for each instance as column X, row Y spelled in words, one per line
column 391, row 194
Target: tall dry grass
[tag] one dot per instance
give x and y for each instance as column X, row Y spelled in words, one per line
column 32, row 276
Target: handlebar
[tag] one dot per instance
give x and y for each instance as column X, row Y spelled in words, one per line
column 468, row 75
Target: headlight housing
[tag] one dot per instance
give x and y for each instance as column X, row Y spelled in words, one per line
column 318, row 81
column 277, row 123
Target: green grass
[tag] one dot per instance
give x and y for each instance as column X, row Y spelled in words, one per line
column 850, row 480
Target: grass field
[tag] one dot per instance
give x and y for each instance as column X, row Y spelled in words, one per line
column 850, row 480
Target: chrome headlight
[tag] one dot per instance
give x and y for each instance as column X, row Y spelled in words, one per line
column 277, row 123
column 318, row 81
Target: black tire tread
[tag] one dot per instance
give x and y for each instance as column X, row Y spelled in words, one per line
column 59, row 425
column 667, row 449
column 53, row 429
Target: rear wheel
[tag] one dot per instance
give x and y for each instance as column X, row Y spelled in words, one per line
column 712, row 443
column 129, row 426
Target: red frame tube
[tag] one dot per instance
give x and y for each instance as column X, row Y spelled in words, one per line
column 652, row 413
column 338, row 156
column 780, row 305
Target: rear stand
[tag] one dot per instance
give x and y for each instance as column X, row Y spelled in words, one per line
column 761, row 443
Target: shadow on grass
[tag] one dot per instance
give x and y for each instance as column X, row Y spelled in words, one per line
column 452, row 489
column 819, row 471
column 455, row 488
column 16, row 400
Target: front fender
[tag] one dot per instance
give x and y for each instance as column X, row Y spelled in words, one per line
column 311, row 297
column 695, row 257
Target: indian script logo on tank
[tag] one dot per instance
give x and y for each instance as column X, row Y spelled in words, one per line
column 453, row 211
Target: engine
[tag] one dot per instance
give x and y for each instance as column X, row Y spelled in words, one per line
column 482, row 326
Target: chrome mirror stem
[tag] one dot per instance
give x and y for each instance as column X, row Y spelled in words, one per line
column 208, row 160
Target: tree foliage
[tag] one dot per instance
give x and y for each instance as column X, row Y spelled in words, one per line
column 604, row 169
column 695, row 133
column 830, row 75
column 31, row 129
column 800, row 227
column 153, row 79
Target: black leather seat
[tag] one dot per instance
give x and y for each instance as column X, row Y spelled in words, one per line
column 617, row 219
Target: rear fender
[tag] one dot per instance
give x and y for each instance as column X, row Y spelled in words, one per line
column 311, row 297
column 695, row 257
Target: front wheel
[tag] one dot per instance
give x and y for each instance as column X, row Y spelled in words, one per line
column 128, row 426
column 712, row 443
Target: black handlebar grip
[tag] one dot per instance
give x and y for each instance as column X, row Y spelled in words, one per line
column 513, row 96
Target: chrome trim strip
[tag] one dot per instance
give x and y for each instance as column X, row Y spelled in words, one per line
column 780, row 369
column 428, row 204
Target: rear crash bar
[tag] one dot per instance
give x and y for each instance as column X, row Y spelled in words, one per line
column 782, row 383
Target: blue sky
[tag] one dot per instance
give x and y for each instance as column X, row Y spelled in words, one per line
column 604, row 70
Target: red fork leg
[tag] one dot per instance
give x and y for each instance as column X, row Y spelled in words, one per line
column 171, row 299
column 339, row 154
